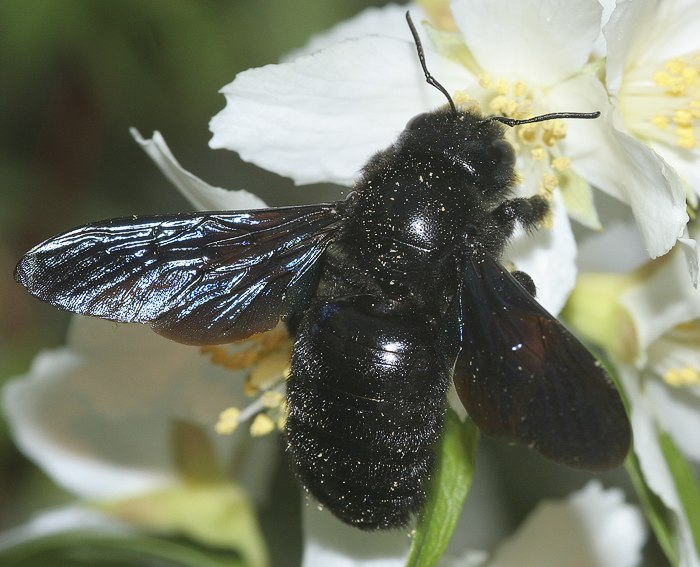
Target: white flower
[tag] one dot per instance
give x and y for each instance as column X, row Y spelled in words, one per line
column 653, row 73
column 320, row 117
column 654, row 466
column 98, row 414
column 649, row 323
column 665, row 311
column 593, row 526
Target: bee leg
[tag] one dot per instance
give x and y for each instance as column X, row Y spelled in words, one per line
column 527, row 211
column 526, row 281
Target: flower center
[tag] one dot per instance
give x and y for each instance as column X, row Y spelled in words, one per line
column 667, row 107
column 266, row 358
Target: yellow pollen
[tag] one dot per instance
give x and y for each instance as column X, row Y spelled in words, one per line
column 217, row 353
column 284, row 414
column 660, row 122
column 502, row 86
column 272, row 399
column 229, row 420
column 686, row 138
column 675, row 66
column 682, row 377
column 519, row 89
column 528, row 133
column 462, row 99
column 553, row 131
column 262, row 425
column 538, row 154
column 549, row 183
column 680, row 81
column 561, row 163
column 683, row 118
column 265, row 357
column 485, row 81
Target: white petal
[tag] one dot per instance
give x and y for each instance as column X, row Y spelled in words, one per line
column 593, row 527
column 679, row 413
column 661, row 301
column 541, row 42
column 386, row 21
column 331, row 543
column 203, row 196
column 619, row 247
column 622, row 166
column 691, row 249
column 549, row 257
column 600, row 47
column 648, row 32
column 97, row 415
column 320, row 117
column 653, row 465
column 61, row 520
column 686, row 164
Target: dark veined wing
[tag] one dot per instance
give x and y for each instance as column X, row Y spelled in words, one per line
column 197, row 278
column 523, row 377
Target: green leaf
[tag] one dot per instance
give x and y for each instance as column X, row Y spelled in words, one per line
column 447, row 490
column 685, row 482
column 78, row 548
column 659, row 517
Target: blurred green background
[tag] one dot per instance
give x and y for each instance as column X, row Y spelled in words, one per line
column 75, row 75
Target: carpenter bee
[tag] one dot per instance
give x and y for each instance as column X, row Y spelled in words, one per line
column 392, row 293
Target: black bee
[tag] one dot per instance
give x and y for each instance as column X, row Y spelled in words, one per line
column 392, row 293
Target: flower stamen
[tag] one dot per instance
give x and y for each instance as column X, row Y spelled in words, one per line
column 681, row 377
column 669, row 103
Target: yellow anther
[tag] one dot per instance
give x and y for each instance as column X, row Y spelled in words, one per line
column 520, row 89
column 502, row 86
column 269, row 370
column 686, row 138
column 538, row 154
column 229, row 420
column 682, row 377
column 262, row 425
column 549, row 182
column 663, row 79
column 284, row 414
column 528, row 133
column 523, row 109
column 553, row 131
column 561, row 163
column 683, row 118
column 217, row 354
column 660, row 122
column 485, row 81
column 675, row 66
column 272, row 399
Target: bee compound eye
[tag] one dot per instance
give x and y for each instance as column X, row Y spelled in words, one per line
column 502, row 153
column 417, row 121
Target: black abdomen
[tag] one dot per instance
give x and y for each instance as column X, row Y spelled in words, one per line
column 366, row 405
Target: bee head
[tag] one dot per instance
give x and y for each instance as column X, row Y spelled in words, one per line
column 474, row 144
column 471, row 141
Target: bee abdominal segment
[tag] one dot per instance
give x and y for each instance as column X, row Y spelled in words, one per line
column 366, row 398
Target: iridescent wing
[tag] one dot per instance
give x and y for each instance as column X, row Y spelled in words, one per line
column 197, row 278
column 523, row 377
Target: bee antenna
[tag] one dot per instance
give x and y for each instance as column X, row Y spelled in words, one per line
column 432, row 81
column 543, row 117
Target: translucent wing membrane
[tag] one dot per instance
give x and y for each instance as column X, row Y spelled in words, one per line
column 198, row 278
column 524, row 377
